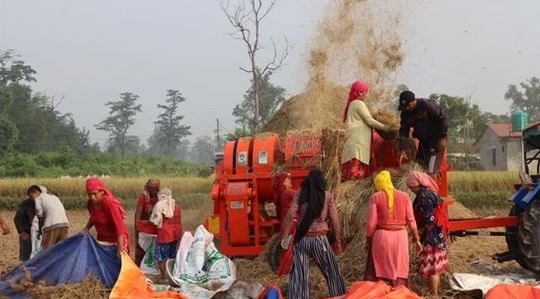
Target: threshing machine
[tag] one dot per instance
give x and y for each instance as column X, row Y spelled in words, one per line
column 244, row 217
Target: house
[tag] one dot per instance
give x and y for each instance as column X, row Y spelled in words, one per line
column 500, row 148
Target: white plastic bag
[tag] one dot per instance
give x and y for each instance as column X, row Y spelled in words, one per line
column 36, row 241
column 199, row 262
column 148, row 263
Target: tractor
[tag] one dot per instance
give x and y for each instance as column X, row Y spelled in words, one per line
column 244, row 216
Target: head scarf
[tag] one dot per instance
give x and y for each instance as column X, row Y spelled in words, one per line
column 418, row 178
column 164, row 207
column 383, row 182
column 155, row 183
column 312, row 194
column 356, row 88
column 96, row 184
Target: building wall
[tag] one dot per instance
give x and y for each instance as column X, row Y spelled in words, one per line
column 488, row 146
column 514, row 156
column 500, row 153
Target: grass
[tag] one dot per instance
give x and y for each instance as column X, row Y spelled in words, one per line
column 482, row 181
column 475, row 189
column 189, row 191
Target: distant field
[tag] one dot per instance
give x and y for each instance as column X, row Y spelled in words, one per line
column 475, row 189
column 189, row 191
column 485, row 192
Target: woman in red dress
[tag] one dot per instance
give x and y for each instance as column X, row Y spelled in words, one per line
column 145, row 205
column 106, row 215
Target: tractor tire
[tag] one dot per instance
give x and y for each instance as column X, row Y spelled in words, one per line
column 529, row 237
column 512, row 239
column 273, row 252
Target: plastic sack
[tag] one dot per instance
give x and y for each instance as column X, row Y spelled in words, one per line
column 199, row 262
column 379, row 290
column 286, row 257
column 148, row 263
column 36, row 240
column 513, row 291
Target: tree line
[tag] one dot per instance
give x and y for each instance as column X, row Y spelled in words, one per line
column 35, row 136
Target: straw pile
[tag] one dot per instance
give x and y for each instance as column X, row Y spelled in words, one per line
column 89, row 288
column 352, row 199
column 356, row 40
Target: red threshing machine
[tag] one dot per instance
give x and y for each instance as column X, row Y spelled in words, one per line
column 245, row 217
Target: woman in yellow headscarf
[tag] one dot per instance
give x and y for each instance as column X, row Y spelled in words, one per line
column 389, row 213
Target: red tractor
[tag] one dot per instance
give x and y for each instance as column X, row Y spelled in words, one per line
column 245, row 217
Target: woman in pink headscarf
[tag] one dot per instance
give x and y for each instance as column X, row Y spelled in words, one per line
column 357, row 149
column 106, row 215
column 431, row 216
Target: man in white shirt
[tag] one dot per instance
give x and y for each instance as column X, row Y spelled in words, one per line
column 53, row 222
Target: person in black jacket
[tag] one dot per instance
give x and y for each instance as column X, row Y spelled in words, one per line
column 23, row 223
column 429, row 125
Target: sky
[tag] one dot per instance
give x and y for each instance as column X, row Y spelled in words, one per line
column 88, row 52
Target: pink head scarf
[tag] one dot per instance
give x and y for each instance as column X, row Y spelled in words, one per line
column 356, row 88
column 418, row 178
column 95, row 183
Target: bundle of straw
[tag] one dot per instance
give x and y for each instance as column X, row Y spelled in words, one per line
column 352, row 199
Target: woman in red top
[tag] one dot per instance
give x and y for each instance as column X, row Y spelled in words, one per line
column 146, row 203
column 106, row 215
column 167, row 217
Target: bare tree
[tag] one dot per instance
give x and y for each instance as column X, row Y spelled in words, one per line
column 246, row 19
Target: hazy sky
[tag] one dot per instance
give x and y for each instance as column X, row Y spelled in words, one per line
column 91, row 51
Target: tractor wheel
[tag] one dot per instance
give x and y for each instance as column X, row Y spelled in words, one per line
column 512, row 239
column 273, row 251
column 529, row 236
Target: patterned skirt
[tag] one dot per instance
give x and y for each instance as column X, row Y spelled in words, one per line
column 433, row 260
column 353, row 170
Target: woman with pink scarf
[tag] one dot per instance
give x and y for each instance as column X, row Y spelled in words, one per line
column 106, row 215
column 431, row 217
column 357, row 149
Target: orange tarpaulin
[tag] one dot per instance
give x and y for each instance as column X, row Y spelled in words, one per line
column 513, row 291
column 132, row 284
column 377, row 290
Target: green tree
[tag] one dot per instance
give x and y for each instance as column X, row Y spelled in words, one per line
column 169, row 129
column 121, row 118
column 526, row 98
column 202, row 150
column 271, row 98
column 8, row 135
column 466, row 122
column 40, row 126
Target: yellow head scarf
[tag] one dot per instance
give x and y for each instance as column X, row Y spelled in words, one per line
column 383, row 182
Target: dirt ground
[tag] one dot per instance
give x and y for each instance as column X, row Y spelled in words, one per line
column 468, row 254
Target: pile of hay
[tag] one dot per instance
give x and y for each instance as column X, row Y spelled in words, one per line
column 89, row 288
column 356, row 40
column 352, row 199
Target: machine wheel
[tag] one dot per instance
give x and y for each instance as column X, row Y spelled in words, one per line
column 529, row 236
column 273, row 251
column 512, row 239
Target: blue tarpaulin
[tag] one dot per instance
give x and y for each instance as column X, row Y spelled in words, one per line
column 69, row 261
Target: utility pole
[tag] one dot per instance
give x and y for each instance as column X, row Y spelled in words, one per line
column 218, row 137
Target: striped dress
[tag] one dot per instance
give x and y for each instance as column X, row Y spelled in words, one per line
column 314, row 246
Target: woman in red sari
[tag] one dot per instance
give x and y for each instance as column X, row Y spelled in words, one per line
column 106, row 215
